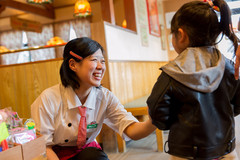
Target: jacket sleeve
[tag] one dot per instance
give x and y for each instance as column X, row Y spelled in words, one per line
column 160, row 103
column 236, row 100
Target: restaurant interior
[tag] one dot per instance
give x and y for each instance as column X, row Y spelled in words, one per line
column 134, row 33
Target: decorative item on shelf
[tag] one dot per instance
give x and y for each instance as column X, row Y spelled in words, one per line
column 39, row 1
column 55, row 41
column 124, row 23
column 3, row 49
column 82, row 9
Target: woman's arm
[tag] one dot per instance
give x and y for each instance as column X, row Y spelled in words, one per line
column 138, row 130
column 51, row 155
column 237, row 63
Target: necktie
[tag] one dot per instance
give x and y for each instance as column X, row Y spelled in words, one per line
column 82, row 128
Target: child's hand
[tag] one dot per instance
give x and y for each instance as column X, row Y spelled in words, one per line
column 237, row 63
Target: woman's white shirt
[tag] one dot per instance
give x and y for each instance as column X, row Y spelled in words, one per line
column 56, row 114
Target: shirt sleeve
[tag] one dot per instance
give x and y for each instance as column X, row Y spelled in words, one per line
column 42, row 113
column 117, row 117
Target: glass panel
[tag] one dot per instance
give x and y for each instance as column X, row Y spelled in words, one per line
column 72, row 33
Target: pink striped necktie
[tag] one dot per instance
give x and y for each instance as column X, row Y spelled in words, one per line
column 82, row 129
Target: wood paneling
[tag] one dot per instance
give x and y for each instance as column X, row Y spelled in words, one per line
column 7, row 86
column 46, row 12
column 132, row 80
column 21, row 84
column 108, row 11
column 20, row 91
column 130, row 14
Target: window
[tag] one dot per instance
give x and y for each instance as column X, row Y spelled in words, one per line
column 72, row 34
column 24, row 56
column 24, row 40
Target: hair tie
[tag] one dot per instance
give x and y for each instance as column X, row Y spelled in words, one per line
column 212, row 5
column 75, row 55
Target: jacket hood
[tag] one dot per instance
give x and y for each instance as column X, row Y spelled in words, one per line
column 199, row 68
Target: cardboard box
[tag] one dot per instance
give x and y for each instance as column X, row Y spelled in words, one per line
column 33, row 150
column 14, row 153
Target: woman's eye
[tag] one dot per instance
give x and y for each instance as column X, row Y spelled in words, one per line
column 94, row 60
column 103, row 61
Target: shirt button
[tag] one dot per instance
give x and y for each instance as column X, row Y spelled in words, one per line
column 69, row 124
column 66, row 140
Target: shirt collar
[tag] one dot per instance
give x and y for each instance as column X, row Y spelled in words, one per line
column 91, row 99
column 73, row 100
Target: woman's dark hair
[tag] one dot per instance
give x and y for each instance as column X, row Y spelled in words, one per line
column 200, row 21
column 82, row 47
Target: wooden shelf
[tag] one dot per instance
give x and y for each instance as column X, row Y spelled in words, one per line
column 31, row 48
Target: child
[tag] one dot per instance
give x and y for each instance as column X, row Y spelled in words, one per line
column 70, row 115
column 196, row 96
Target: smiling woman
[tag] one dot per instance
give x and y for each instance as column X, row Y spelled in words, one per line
column 65, row 113
column 90, row 70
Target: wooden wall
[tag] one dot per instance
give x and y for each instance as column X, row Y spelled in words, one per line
column 132, row 80
column 21, row 84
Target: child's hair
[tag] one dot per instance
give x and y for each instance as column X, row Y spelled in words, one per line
column 200, row 21
column 77, row 49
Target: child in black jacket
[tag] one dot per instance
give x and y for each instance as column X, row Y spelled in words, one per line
column 196, row 97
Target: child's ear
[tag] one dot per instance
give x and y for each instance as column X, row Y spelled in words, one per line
column 183, row 37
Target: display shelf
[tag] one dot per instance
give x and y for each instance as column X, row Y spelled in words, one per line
column 32, row 48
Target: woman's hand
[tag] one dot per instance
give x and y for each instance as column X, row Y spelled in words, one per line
column 139, row 130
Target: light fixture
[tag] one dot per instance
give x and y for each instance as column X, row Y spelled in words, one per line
column 124, row 23
column 39, row 1
column 82, row 9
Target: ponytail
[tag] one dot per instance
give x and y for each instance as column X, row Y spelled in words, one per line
column 226, row 22
column 68, row 77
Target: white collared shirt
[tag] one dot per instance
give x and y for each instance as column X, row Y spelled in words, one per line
column 56, row 114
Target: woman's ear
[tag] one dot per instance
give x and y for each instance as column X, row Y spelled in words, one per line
column 72, row 64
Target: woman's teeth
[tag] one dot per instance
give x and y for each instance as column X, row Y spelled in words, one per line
column 97, row 75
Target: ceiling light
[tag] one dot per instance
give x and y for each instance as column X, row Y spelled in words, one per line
column 39, row 1
column 82, row 9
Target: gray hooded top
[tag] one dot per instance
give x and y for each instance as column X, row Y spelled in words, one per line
column 199, row 68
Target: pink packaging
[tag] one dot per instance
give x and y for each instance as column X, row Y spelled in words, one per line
column 23, row 136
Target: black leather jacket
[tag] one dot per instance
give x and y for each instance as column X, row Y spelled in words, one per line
column 201, row 124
